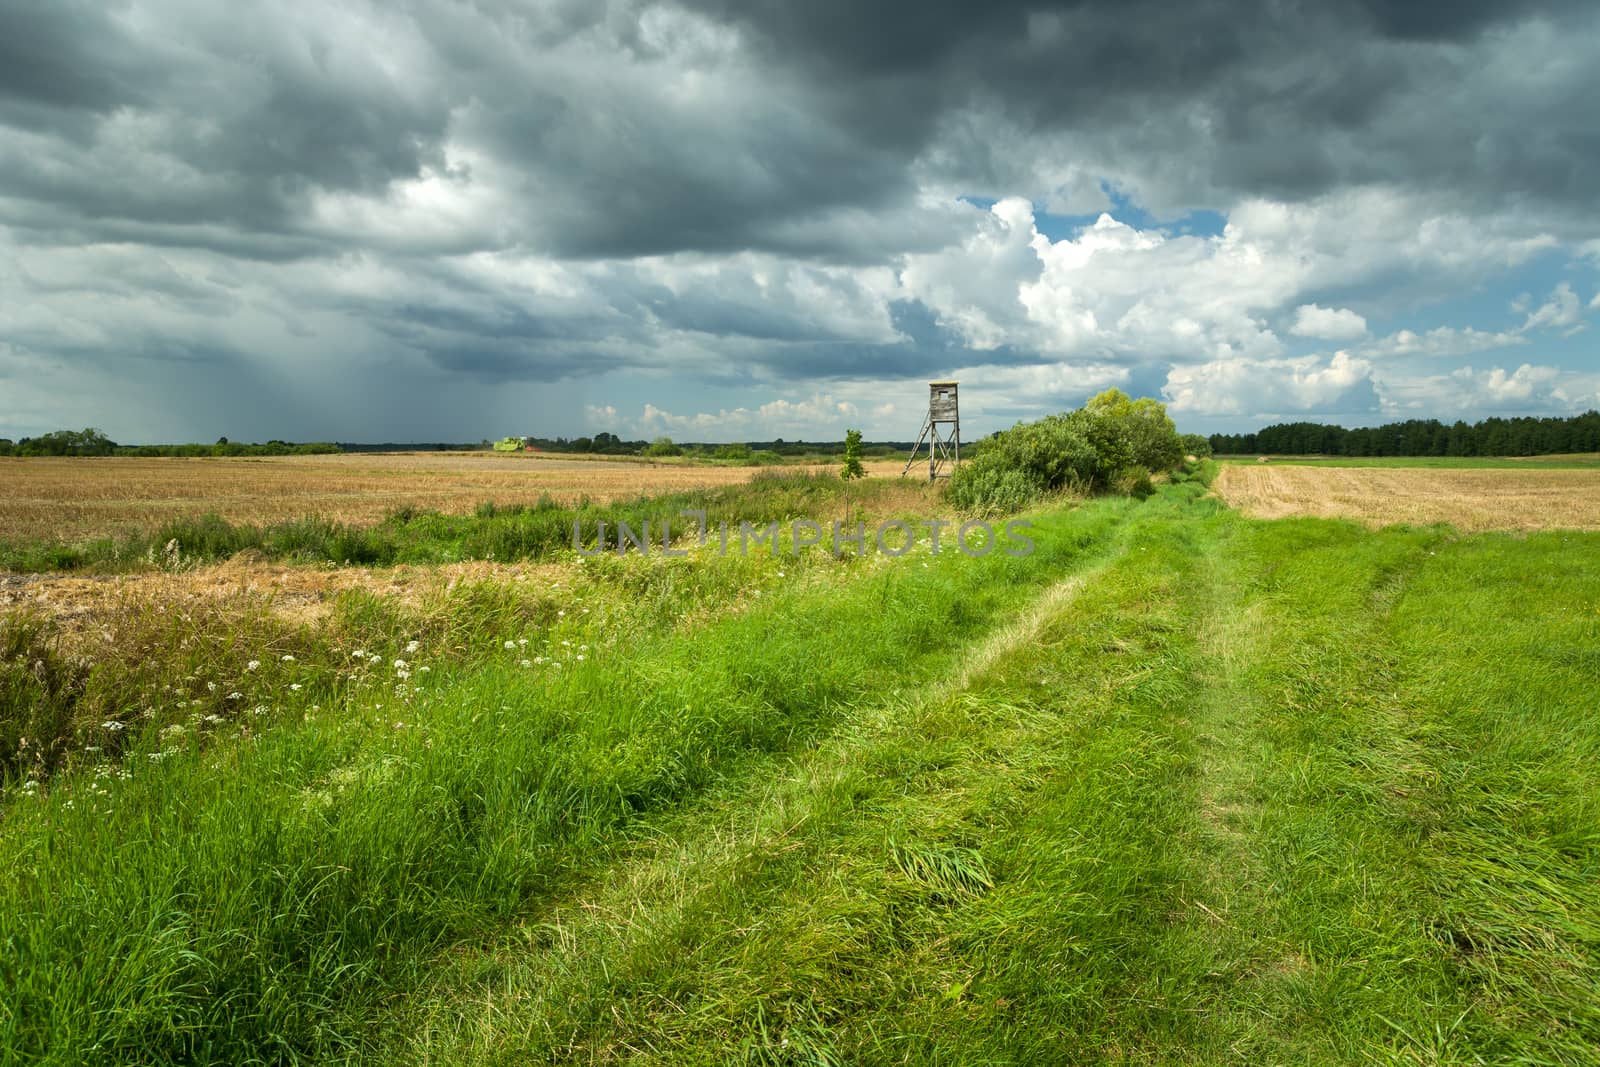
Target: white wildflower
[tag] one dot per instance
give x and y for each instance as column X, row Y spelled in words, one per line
column 412, row 646
column 288, row 659
column 252, row 665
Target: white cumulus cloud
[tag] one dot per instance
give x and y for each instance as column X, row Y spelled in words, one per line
column 1443, row 342
column 1329, row 324
column 1343, row 383
column 1562, row 311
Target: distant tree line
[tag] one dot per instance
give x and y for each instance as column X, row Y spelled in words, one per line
column 1525, row 436
column 93, row 442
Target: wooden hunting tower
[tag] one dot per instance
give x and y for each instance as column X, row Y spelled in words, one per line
column 941, row 429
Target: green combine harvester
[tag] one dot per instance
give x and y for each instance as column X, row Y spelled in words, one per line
column 511, row 444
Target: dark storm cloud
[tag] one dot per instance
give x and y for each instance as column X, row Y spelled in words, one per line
column 179, row 123
column 926, row 350
column 175, row 123
column 504, row 342
column 1276, row 99
column 65, row 55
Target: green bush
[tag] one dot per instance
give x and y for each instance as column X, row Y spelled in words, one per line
column 663, row 446
column 1143, row 425
column 1111, row 444
column 985, row 485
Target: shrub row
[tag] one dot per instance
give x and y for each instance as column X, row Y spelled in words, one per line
column 1111, row 444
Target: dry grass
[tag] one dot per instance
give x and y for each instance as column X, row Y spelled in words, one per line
column 1379, row 496
column 79, row 499
column 79, row 605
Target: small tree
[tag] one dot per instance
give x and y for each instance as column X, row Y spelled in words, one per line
column 852, row 456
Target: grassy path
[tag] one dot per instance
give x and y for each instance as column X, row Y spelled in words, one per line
column 1192, row 808
column 928, row 877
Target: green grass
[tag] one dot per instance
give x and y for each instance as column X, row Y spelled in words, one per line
column 1182, row 787
column 1577, row 461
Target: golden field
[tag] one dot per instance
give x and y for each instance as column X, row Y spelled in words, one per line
column 74, row 499
column 1486, row 499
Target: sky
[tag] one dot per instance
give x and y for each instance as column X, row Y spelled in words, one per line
column 421, row 220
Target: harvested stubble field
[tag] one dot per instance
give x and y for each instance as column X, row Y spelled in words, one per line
column 1470, row 500
column 75, row 499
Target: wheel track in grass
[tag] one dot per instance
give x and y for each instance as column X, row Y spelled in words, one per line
column 1241, row 888
column 1295, row 928
column 690, row 852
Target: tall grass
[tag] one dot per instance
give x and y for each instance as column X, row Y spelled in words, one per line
column 494, row 532
column 255, row 900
